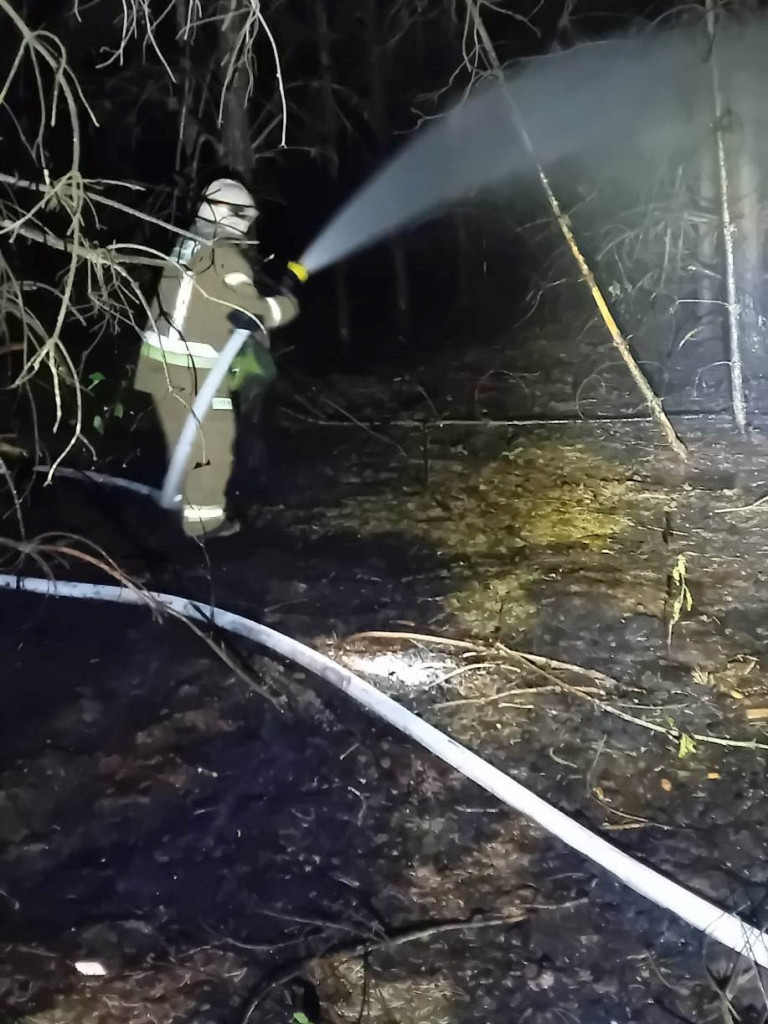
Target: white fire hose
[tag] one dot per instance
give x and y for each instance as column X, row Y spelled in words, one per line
column 171, row 495
column 715, row 923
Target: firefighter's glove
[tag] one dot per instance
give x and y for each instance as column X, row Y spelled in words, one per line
column 242, row 321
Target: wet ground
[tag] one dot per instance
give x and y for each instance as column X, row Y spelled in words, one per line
column 234, row 841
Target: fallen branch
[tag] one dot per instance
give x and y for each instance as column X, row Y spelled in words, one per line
column 620, row 342
column 523, row 421
column 491, row 697
column 742, row 508
column 541, row 664
column 96, row 197
column 468, row 645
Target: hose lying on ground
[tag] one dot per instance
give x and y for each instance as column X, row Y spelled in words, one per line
column 724, row 927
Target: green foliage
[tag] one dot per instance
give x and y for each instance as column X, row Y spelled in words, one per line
column 679, row 595
column 686, row 745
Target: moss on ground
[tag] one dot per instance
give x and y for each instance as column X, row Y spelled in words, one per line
column 352, row 990
column 542, row 494
column 499, row 520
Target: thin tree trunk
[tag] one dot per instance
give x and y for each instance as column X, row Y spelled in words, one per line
column 707, row 284
column 380, row 121
column 741, row 150
column 402, row 288
column 332, row 136
column 463, row 277
column 235, row 128
column 186, row 146
column 738, row 400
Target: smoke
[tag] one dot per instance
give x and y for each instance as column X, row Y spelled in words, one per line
column 627, row 102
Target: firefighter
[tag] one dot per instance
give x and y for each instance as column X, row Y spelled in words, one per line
column 208, row 278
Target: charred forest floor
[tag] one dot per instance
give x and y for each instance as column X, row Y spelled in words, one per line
column 220, row 852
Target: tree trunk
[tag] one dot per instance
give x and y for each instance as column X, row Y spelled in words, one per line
column 188, row 128
column 332, row 138
column 402, row 289
column 464, row 286
column 708, row 286
column 380, row 122
column 742, row 154
column 235, row 149
column 730, row 242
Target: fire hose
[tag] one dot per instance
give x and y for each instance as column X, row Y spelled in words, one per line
column 706, row 917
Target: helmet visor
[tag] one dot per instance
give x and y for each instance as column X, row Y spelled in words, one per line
column 232, row 216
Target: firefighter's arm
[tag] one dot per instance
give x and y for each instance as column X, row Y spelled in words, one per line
column 283, row 308
column 273, row 311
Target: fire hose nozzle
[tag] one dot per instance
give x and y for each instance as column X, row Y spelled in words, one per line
column 298, row 270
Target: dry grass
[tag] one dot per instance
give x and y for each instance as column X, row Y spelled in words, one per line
column 546, row 493
column 481, row 606
column 352, row 991
column 492, row 873
column 169, row 991
column 507, row 522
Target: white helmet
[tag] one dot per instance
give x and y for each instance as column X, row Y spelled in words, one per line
column 228, row 206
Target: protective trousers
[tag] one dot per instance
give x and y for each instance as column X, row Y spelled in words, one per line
column 210, row 467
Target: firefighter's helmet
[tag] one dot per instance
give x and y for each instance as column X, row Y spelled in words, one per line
column 229, row 206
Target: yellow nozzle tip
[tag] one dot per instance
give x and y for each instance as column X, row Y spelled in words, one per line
column 299, row 271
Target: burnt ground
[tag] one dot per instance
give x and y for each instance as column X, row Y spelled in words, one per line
column 217, row 850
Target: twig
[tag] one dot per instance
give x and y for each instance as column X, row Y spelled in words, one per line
column 106, row 255
column 539, row 660
column 384, row 634
column 278, row 76
column 489, row 698
column 534, row 659
column 541, row 664
column 672, row 732
column 96, row 197
column 741, row 508
column 428, row 931
column 472, row 667
column 522, row 421
column 50, row 544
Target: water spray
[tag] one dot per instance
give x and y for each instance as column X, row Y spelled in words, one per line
column 579, row 103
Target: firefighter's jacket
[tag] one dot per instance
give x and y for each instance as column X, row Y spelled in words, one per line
column 188, row 326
